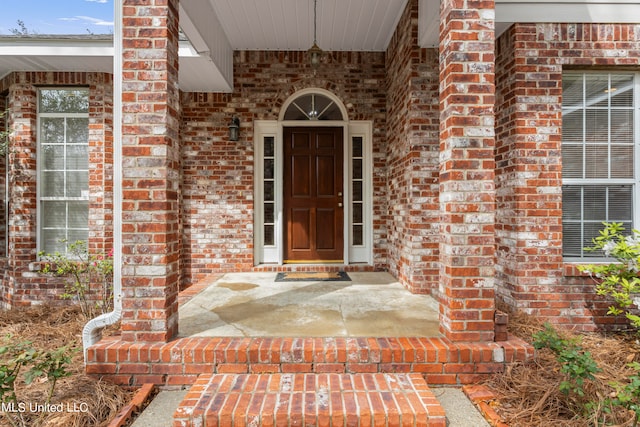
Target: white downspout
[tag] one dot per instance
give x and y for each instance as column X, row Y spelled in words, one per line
column 92, row 331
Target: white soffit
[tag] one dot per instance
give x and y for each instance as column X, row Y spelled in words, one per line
column 55, row 53
column 511, row 11
column 206, row 61
column 95, row 54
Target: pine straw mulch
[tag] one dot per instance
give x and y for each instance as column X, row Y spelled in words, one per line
column 48, row 328
column 528, row 394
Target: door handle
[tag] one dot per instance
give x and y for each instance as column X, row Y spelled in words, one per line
column 340, row 204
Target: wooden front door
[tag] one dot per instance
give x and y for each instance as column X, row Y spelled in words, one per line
column 313, row 194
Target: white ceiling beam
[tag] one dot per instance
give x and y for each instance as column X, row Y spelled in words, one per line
column 214, row 54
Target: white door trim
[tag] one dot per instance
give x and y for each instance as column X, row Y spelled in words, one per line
column 272, row 131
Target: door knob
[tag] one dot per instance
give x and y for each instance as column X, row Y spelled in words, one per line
column 340, row 204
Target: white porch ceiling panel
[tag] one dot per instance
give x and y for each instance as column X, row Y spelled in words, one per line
column 347, row 25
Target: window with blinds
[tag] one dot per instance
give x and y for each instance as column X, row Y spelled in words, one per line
column 599, row 138
column 63, row 163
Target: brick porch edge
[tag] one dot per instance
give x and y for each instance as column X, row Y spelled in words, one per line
column 178, row 363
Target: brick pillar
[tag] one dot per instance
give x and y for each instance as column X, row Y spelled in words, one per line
column 150, row 232
column 467, row 169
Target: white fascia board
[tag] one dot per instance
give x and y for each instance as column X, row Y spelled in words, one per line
column 570, row 11
column 56, row 47
column 202, row 27
column 69, row 51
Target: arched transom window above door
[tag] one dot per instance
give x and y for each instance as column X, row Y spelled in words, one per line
column 314, row 106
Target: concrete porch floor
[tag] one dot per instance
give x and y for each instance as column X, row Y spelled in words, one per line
column 254, row 305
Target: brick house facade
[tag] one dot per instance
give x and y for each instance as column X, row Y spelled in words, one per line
column 465, row 165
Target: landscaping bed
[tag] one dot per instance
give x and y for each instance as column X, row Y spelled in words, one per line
column 530, row 394
column 77, row 400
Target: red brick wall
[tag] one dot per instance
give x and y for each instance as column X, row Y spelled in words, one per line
column 530, row 272
column 412, row 138
column 21, row 284
column 217, row 175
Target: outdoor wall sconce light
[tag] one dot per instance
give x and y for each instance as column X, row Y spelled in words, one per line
column 234, row 129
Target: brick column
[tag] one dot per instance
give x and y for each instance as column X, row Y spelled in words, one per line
column 150, row 232
column 467, row 169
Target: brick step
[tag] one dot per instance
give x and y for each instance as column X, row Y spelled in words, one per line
column 180, row 362
column 310, row 400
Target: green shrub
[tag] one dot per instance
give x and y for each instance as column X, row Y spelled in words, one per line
column 83, row 269
column 15, row 357
column 617, row 280
column 628, row 395
column 576, row 363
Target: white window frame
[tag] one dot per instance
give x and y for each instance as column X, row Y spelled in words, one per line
column 361, row 253
column 266, row 254
column 40, row 198
column 635, row 181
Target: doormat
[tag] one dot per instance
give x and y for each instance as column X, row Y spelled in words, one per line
column 308, row 276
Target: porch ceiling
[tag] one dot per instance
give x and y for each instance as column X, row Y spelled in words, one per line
column 215, row 28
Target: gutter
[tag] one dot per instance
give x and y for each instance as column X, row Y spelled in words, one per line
column 92, row 331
